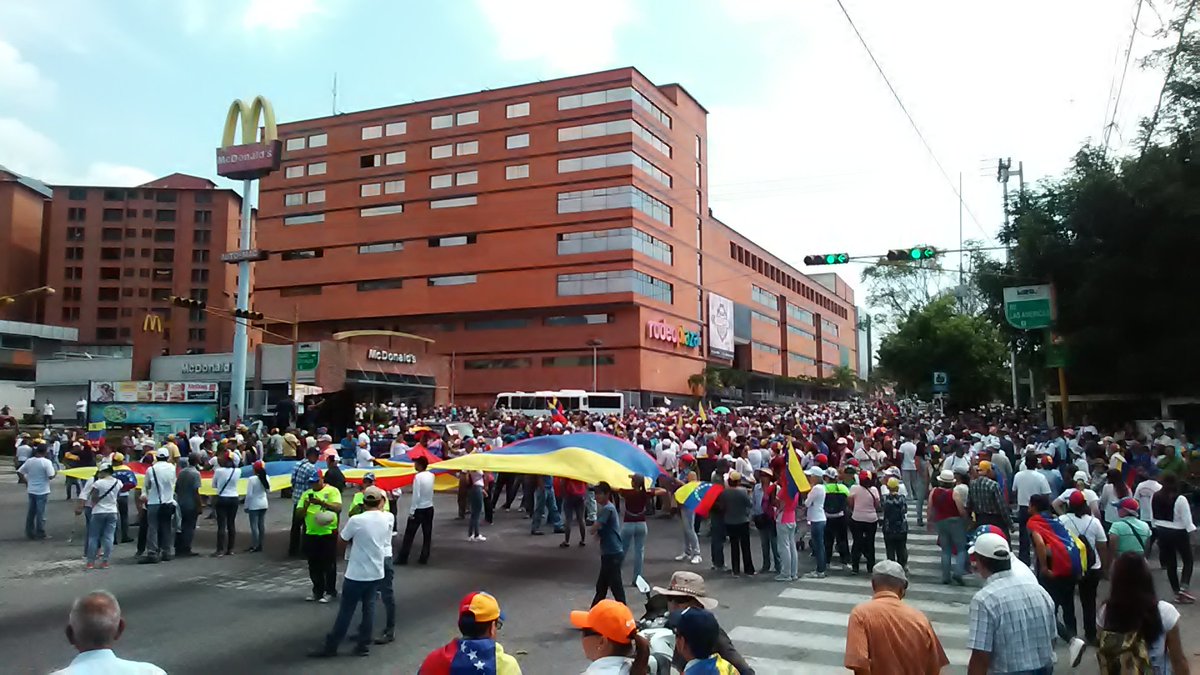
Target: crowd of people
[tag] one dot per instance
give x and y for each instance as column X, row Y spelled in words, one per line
column 1082, row 505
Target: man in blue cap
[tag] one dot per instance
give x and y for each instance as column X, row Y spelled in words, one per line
column 696, row 634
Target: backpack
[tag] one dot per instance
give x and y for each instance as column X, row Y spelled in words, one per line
column 1123, row 654
column 1089, row 550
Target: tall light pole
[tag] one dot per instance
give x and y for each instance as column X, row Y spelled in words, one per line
column 1003, row 172
column 594, row 344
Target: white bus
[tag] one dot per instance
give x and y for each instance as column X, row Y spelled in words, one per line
column 537, row 404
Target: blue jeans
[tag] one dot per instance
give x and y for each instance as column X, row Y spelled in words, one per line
column 476, row 499
column 633, row 540
column 817, row 532
column 952, row 536
column 102, row 527
column 353, row 594
column 785, row 550
column 35, row 517
column 691, row 542
column 544, row 503
column 257, row 526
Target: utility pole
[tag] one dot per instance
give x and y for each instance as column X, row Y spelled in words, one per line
column 962, row 302
column 1003, row 173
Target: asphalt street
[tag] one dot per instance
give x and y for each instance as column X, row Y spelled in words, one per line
column 247, row 614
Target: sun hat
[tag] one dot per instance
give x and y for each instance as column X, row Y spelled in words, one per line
column 685, row 584
column 611, row 619
column 734, row 477
column 946, row 476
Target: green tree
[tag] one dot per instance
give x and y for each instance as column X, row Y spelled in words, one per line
column 937, row 337
column 705, row 381
column 844, row 377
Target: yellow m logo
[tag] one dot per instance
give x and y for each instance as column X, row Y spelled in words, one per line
column 153, row 323
column 248, row 116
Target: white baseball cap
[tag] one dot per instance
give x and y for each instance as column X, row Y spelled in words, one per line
column 990, row 545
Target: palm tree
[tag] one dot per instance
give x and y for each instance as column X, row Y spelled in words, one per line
column 704, row 381
column 843, row 377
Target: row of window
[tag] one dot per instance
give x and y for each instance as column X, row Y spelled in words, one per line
column 800, row 332
column 612, row 159
column 612, row 128
column 77, row 214
column 318, row 140
column 117, row 234
column 764, row 297
column 800, row 314
column 302, row 170
column 383, row 210
column 616, row 281
column 620, row 239
column 770, row 271
column 615, row 197
column 759, row 316
column 800, row 358
column 766, row 348
column 381, row 284
column 592, row 98
column 159, row 254
column 123, row 195
column 830, row 327
column 547, row 362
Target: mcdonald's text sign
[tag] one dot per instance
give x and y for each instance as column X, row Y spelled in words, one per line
column 251, row 158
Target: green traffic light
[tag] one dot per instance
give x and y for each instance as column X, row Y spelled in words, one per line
column 915, row 253
column 830, row 259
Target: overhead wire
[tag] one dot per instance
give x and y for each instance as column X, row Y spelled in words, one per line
column 1187, row 15
column 1108, row 128
column 911, row 121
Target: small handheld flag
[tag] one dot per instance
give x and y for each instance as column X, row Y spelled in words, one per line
column 797, row 482
column 700, row 410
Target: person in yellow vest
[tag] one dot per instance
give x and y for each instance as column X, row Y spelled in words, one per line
column 321, row 505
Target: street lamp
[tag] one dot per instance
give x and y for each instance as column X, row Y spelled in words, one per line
column 594, row 344
column 6, row 300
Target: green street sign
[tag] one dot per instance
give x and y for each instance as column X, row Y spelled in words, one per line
column 308, row 355
column 1029, row 307
column 1056, row 355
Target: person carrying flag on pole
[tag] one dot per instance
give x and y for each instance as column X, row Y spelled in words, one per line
column 476, row 651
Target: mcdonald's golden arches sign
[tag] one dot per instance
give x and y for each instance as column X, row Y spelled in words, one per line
column 153, row 323
column 250, row 158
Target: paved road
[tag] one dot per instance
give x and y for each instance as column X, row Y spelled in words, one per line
column 247, row 613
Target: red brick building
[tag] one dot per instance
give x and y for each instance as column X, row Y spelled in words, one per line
column 114, row 254
column 22, row 208
column 523, row 227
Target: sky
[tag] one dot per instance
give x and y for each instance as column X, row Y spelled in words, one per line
column 808, row 150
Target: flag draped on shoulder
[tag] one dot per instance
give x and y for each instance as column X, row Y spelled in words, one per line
column 797, row 482
column 468, row 657
column 1067, row 556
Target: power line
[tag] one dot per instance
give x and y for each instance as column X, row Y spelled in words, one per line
column 911, row 121
column 1170, row 73
column 1108, row 128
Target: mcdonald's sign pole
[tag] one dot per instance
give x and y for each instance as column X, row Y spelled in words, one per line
column 248, row 161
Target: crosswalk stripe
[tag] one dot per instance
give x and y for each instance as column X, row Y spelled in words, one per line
column 777, row 667
column 827, row 618
column 864, row 586
column 814, row 642
column 853, row 597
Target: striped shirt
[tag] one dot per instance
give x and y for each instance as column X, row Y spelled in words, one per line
column 1012, row 618
column 304, row 474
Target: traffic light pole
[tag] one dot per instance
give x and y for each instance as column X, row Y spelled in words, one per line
column 237, row 388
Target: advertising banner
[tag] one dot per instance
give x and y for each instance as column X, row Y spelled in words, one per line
column 152, row 413
column 720, row 326
column 144, row 391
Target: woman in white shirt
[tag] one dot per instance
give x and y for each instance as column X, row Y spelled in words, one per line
column 225, row 482
column 1134, row 608
column 1081, row 522
column 815, row 504
column 1172, row 524
column 257, row 489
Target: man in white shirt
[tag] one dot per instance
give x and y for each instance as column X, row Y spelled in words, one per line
column 370, row 535
column 37, row 472
column 100, row 496
column 47, row 413
column 23, row 453
column 420, row 513
column 81, row 411
column 363, row 458
column 1026, row 483
column 958, row 462
column 908, row 465
column 94, row 625
column 195, row 442
column 158, row 494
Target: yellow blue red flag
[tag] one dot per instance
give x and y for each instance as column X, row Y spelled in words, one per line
column 797, row 482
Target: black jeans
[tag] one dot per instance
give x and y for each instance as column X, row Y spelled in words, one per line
column 864, row 543
column 506, row 484
column 1087, row 602
column 573, row 509
column 739, row 545
column 227, row 508
column 423, row 519
column 1023, row 533
column 187, row 529
column 1173, row 543
column 896, row 547
column 609, row 579
column 122, row 520
column 835, row 533
column 717, row 544
column 321, row 550
column 296, row 538
column 1062, row 592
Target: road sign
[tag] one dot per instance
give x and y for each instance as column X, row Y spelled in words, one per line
column 308, row 354
column 244, row 255
column 941, row 382
column 1029, row 307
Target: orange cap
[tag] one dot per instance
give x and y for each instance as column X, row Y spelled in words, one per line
column 609, row 618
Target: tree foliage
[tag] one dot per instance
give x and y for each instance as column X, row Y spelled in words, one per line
column 937, row 337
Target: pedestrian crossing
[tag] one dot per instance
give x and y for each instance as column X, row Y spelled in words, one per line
column 802, row 631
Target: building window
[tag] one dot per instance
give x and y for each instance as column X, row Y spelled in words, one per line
column 164, row 274
column 110, row 254
column 616, row 197
column 764, row 298
column 385, row 210
column 144, row 273
column 799, row 358
column 202, row 217
column 382, row 247
column 766, row 348
column 197, row 334
column 516, row 171
column 620, row 239
column 759, row 316
column 77, row 233
column 368, row 161
column 395, row 129
column 73, row 273
column 316, row 168
column 517, row 141
column 167, row 236
column 441, row 181
column 110, row 273
column 369, row 190
column 496, row 324
column 164, row 255
column 516, row 110
column 304, row 219
column 303, row 254
column 295, row 143
column 467, row 117
column 106, row 334
column 612, row 128
column 113, row 215
column 441, row 151
column 108, row 294
column 77, row 194
column 294, row 171
column 295, row 291
column 611, row 96
column 201, row 237
column 76, row 214
column 380, row 284
column 395, row 157
column 371, row 132
column 446, row 242
column 578, row 320
column 800, row 332
column 197, row 256
column 70, row 314
column 616, row 281
column 454, row 280
column 393, row 187
column 107, row 313
column 107, row 234
column 441, row 121
column 466, row 148
column 294, row 199
column 612, row 159
column 830, row 327
column 72, row 294
column 112, row 195
column 316, row 197
column 165, row 196
column 318, row 141
column 496, row 364
column 466, row 178
column 578, row 361
column 454, row 202
column 200, row 276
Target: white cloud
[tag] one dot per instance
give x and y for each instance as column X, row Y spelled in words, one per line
column 279, row 15
column 567, row 37
column 21, row 81
column 30, row 152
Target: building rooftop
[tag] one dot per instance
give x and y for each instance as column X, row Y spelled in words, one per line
column 31, row 183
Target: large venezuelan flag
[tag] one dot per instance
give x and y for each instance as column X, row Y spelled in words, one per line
column 589, row 457
column 279, row 474
column 797, row 482
column 699, row 497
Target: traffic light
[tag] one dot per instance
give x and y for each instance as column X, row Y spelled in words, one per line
column 827, row 259
column 187, row 303
column 914, row 253
column 248, row 314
